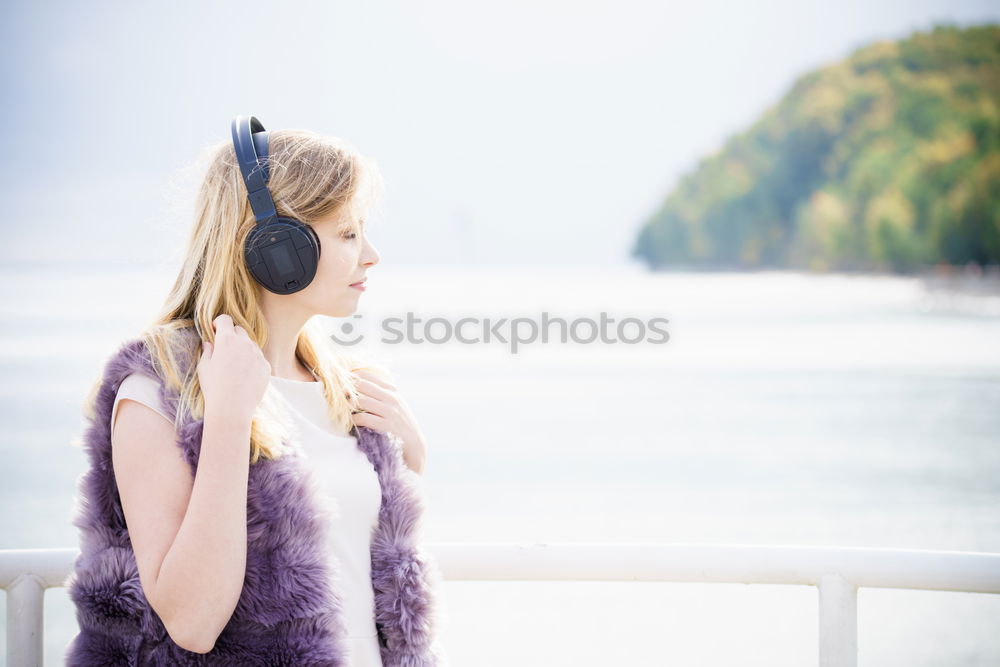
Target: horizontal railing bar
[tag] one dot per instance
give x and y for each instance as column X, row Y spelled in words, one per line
column 960, row 571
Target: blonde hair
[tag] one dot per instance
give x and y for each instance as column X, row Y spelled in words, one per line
column 311, row 177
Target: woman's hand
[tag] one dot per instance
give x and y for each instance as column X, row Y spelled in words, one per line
column 232, row 371
column 386, row 411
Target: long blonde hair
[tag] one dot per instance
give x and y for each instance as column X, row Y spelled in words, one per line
column 311, row 177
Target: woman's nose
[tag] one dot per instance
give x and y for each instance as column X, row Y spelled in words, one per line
column 370, row 257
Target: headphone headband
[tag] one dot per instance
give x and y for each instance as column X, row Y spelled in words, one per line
column 250, row 140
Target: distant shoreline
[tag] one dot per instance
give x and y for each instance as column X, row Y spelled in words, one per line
column 971, row 278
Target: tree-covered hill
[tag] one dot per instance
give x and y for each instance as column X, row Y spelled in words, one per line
column 887, row 160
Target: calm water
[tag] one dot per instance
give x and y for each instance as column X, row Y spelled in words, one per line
column 785, row 409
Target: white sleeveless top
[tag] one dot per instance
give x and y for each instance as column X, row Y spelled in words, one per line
column 350, row 484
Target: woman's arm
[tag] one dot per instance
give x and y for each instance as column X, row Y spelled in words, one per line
column 201, row 578
column 189, row 536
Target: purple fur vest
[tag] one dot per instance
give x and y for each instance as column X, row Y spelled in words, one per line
column 289, row 612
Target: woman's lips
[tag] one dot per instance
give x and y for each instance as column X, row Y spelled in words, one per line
column 359, row 286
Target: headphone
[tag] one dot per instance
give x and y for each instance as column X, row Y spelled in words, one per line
column 281, row 253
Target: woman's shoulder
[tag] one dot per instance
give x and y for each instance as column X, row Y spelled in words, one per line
column 138, row 383
column 174, row 343
column 141, row 388
column 160, row 355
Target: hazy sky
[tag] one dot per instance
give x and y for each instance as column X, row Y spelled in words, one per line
column 513, row 132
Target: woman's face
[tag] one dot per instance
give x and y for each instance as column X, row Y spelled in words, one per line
column 345, row 256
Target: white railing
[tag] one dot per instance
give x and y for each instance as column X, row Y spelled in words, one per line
column 838, row 572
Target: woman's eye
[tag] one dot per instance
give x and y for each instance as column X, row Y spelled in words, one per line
column 350, row 235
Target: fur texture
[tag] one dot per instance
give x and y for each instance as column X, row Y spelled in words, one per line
column 289, row 612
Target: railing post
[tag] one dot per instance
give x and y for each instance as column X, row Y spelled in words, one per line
column 838, row 622
column 25, row 621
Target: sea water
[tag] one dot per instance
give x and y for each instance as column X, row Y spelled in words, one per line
column 783, row 408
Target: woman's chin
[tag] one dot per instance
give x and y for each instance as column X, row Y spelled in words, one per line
column 345, row 310
column 341, row 305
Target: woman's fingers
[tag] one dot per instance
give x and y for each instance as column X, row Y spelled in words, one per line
column 223, row 322
column 371, row 389
column 374, row 406
column 370, row 420
column 375, row 378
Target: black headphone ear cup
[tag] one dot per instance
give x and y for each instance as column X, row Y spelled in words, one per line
column 282, row 255
column 319, row 246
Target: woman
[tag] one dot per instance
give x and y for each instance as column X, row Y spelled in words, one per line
column 253, row 496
